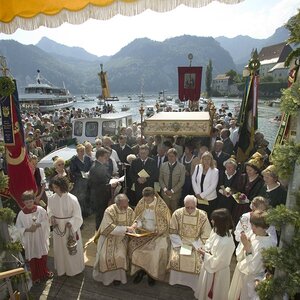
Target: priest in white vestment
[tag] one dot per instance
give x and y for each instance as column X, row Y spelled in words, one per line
column 149, row 254
column 111, row 258
column 189, row 230
column 65, row 217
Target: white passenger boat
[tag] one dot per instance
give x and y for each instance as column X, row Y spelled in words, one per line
column 88, row 129
column 44, row 96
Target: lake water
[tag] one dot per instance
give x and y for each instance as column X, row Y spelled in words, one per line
column 265, row 113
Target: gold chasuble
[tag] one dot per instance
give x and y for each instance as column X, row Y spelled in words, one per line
column 191, row 228
column 150, row 253
column 112, row 244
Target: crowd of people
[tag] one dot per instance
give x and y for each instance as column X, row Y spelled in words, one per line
column 181, row 210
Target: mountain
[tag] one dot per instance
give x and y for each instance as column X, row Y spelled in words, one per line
column 142, row 61
column 24, row 60
column 241, row 54
column 75, row 52
column 154, row 63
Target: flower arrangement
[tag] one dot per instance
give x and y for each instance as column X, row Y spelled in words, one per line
column 284, row 158
column 240, row 198
column 225, row 191
column 290, row 99
column 7, row 215
column 7, row 86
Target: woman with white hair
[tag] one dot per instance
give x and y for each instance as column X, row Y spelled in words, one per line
column 205, row 181
column 228, row 184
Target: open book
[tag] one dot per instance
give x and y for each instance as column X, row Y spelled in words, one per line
column 143, row 174
column 186, row 250
column 202, row 201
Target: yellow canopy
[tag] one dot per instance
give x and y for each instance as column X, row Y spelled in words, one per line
column 31, row 14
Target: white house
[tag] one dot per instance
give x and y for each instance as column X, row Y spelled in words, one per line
column 221, row 83
column 272, row 61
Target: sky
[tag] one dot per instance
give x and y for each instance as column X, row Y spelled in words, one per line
column 255, row 18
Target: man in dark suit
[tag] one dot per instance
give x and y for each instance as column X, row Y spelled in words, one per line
column 123, row 150
column 98, row 182
column 144, row 162
column 227, row 143
column 161, row 156
column 219, row 155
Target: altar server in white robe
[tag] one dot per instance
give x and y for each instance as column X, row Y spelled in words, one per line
column 258, row 203
column 33, row 226
column 214, row 279
column 250, row 266
column 65, row 217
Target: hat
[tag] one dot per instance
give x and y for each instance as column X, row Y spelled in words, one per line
column 30, row 133
column 256, row 161
column 231, row 160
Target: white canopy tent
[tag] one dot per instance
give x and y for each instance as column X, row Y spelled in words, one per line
column 31, row 14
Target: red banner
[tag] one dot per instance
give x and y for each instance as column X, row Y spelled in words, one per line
column 189, row 83
column 20, row 175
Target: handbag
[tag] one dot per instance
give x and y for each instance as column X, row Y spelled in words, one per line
column 71, row 243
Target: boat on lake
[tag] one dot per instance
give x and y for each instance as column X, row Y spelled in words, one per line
column 149, row 112
column 224, row 105
column 203, row 100
column 112, row 98
column 86, row 98
column 44, row 97
column 125, row 107
column 88, row 129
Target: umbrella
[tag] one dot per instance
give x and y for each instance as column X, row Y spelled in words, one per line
column 31, row 14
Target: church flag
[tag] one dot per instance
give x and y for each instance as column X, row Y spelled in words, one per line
column 104, row 83
column 189, row 83
column 285, row 121
column 247, row 120
column 18, row 170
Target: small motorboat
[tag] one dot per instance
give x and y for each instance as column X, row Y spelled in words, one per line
column 224, row 105
column 125, row 108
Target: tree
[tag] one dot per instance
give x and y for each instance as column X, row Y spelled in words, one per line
column 208, row 79
column 285, row 259
column 293, row 26
column 232, row 74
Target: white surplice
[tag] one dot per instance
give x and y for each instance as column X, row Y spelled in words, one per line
column 66, row 209
column 215, row 271
column 245, row 226
column 36, row 244
column 249, row 268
